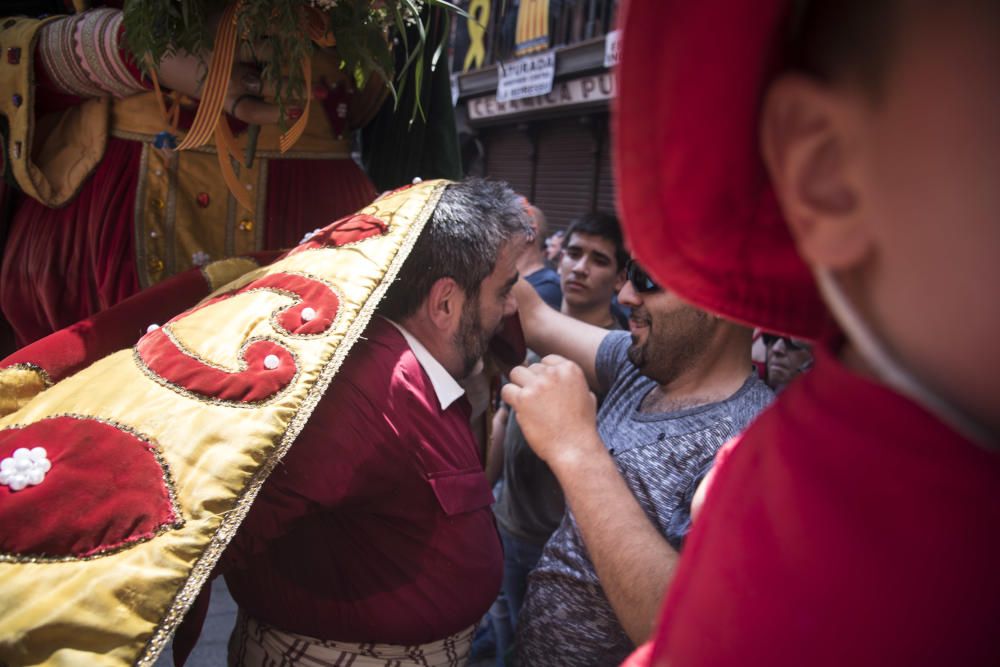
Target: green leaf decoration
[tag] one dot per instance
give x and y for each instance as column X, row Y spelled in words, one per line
column 272, row 31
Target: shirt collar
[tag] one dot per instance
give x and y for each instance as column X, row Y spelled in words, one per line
column 445, row 386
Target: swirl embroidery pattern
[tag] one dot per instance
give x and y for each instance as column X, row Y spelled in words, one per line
column 267, row 367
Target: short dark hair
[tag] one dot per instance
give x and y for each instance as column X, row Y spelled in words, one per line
column 462, row 239
column 838, row 40
column 603, row 225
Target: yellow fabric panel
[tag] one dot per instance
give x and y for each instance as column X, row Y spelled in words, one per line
column 213, row 229
column 122, row 608
column 52, row 156
column 19, row 384
column 172, row 227
column 225, row 271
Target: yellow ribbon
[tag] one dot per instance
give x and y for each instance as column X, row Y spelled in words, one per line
column 479, row 17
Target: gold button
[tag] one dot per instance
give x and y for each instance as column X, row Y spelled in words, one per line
column 155, row 264
column 246, row 225
column 158, row 204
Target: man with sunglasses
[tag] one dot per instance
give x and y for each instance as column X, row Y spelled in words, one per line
column 786, row 359
column 674, row 389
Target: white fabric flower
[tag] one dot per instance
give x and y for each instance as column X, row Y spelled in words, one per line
column 309, row 235
column 201, row 258
column 27, row 467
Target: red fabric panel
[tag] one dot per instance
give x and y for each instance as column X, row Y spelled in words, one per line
column 68, row 350
column 105, row 490
column 304, row 195
column 697, row 208
column 848, row 526
column 61, row 266
column 351, row 229
column 312, row 294
column 254, row 383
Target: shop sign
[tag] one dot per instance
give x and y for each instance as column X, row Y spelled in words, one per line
column 526, row 77
column 585, row 90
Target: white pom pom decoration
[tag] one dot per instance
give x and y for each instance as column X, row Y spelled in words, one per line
column 26, row 467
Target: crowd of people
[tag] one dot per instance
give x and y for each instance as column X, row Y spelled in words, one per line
column 751, row 418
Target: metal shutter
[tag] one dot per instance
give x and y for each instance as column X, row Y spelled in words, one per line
column 508, row 157
column 564, row 183
column 606, row 179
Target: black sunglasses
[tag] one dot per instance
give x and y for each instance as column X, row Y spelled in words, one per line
column 640, row 280
column 792, row 344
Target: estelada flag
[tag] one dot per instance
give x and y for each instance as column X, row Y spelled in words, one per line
column 532, row 27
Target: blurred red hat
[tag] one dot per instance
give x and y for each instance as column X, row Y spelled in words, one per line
column 697, row 205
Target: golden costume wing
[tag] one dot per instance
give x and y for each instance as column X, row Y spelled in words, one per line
column 121, row 485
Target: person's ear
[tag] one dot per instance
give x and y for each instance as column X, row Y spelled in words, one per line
column 807, row 138
column 620, row 281
column 444, row 303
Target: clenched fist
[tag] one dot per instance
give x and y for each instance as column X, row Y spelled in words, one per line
column 556, row 410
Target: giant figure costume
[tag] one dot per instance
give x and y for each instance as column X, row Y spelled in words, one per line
column 128, row 479
column 108, row 209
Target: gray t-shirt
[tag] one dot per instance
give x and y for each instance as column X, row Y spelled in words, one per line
column 566, row 619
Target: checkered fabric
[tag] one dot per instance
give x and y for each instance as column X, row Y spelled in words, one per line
column 259, row 644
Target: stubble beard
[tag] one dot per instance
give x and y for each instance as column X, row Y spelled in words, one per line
column 637, row 353
column 470, row 337
column 673, row 345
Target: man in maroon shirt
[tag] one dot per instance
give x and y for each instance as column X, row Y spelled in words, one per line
column 373, row 540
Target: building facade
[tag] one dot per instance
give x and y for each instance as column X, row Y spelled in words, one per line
column 553, row 147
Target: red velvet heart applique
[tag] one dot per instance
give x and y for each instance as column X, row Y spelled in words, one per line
column 104, row 489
